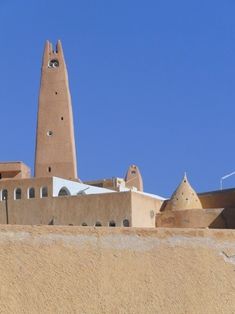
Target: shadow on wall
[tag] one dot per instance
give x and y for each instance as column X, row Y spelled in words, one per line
column 225, row 220
column 215, row 218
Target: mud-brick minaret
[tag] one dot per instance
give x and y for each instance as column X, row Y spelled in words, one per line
column 55, row 145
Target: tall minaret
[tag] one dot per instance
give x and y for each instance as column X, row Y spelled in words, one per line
column 55, row 145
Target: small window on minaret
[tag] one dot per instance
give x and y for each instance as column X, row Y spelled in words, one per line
column 49, row 133
column 49, row 169
column 54, row 63
column 62, row 118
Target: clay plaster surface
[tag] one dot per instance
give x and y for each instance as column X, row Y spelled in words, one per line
column 116, row 270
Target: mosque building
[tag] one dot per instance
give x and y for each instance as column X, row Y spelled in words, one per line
column 55, row 195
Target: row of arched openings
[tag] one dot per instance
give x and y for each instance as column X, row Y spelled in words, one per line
column 112, row 223
column 30, row 193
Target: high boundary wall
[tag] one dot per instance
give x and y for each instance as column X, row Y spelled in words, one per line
column 51, row 269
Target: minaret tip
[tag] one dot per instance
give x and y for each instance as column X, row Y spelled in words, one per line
column 47, row 52
column 47, row 48
column 59, row 48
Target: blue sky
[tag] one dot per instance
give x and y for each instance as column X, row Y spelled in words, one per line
column 152, row 83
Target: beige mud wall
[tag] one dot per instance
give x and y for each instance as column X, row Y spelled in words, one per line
column 69, row 210
column 218, row 199
column 86, row 270
column 139, row 209
column 144, row 209
column 193, row 218
column 215, row 218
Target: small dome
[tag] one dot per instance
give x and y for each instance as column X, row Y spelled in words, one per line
column 184, row 197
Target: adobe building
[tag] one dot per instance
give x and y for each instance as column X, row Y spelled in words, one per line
column 187, row 209
column 55, row 195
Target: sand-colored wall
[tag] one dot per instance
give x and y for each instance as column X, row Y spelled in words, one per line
column 95, row 270
column 14, row 170
column 144, row 209
column 69, row 210
column 192, row 218
column 104, row 208
column 218, row 199
column 24, row 185
column 217, row 218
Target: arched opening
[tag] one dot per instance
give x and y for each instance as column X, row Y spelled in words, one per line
column 44, row 191
column 51, row 222
column 64, row 192
column 84, row 224
column 126, row 223
column 31, row 193
column 4, row 194
column 112, row 223
column 98, row 224
column 17, row 195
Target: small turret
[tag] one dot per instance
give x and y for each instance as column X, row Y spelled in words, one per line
column 184, row 197
column 133, row 178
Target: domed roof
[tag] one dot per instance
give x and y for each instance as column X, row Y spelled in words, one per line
column 184, row 197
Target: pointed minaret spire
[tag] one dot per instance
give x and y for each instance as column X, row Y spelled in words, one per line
column 59, row 48
column 55, row 145
column 47, row 52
